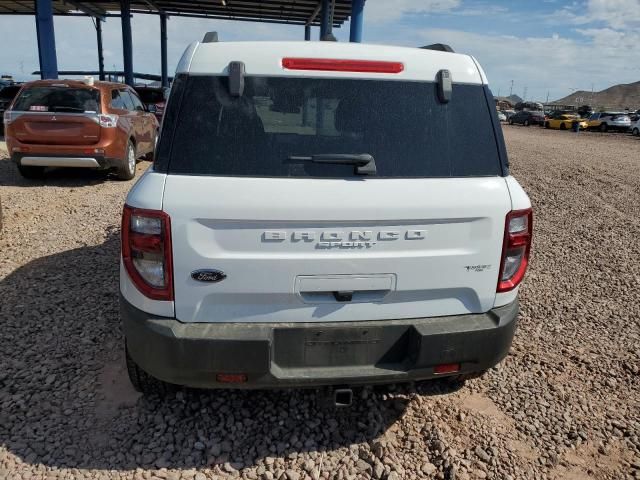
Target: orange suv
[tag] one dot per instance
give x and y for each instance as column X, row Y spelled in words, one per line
column 72, row 123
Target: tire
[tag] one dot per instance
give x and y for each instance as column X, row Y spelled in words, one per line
column 604, row 127
column 31, row 172
column 526, row 123
column 143, row 382
column 636, row 132
column 510, row 122
column 546, row 125
column 563, row 126
column 127, row 170
column 152, row 154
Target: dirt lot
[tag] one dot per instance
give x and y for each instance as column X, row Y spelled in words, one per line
column 564, row 404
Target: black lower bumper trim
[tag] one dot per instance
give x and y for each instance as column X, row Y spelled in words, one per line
column 316, row 354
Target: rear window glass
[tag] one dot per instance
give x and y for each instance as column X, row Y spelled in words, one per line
column 58, row 99
column 150, row 96
column 401, row 124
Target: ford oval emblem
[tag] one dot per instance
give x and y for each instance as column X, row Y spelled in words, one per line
column 208, row 275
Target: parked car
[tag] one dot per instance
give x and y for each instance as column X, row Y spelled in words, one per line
column 502, row 117
column 154, row 98
column 605, row 121
column 564, row 121
column 635, row 128
column 7, row 94
column 248, row 261
column 71, row 123
column 526, row 118
column 585, row 111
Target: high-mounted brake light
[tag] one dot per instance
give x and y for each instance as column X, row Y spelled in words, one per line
column 341, row 65
column 146, row 251
column 516, row 247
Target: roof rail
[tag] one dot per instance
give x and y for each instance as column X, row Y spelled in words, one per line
column 210, row 37
column 441, row 47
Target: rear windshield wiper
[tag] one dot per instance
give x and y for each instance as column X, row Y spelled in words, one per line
column 365, row 164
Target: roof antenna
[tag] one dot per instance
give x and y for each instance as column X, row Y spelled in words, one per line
column 440, row 47
column 210, row 37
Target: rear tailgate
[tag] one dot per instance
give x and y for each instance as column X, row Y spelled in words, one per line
column 57, row 114
column 287, row 245
column 56, row 128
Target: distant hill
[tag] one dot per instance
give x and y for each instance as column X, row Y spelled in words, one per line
column 619, row 96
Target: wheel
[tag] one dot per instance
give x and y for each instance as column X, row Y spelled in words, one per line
column 546, row 125
column 510, row 122
column 127, row 170
column 526, row 123
column 151, row 155
column 31, row 172
column 143, row 382
column 636, row 132
column 604, row 127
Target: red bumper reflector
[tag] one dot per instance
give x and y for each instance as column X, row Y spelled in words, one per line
column 446, row 368
column 231, row 378
column 340, row 65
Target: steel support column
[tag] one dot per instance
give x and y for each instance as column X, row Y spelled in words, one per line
column 46, row 39
column 307, row 32
column 357, row 14
column 326, row 18
column 100, row 50
column 127, row 44
column 163, row 50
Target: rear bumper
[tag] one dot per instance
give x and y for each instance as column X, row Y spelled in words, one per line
column 315, row 354
column 65, row 160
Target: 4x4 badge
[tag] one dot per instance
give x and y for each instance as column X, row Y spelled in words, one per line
column 211, row 276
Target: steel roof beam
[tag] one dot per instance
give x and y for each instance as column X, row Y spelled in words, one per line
column 89, row 10
column 294, row 9
column 221, row 13
column 200, row 14
column 315, row 13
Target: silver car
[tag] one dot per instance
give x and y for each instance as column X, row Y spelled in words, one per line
column 605, row 121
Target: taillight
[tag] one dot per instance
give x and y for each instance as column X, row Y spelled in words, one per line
column 341, row 65
column 146, row 251
column 516, row 247
column 108, row 120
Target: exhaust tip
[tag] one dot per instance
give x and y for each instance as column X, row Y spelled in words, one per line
column 342, row 397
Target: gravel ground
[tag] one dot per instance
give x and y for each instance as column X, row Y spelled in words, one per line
column 564, row 404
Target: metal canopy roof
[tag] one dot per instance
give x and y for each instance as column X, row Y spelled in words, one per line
column 296, row 12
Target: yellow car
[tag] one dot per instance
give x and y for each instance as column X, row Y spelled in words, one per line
column 564, row 121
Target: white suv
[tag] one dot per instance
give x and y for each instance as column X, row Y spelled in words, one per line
column 322, row 214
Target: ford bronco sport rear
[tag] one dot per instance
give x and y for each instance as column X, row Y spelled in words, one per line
column 322, row 214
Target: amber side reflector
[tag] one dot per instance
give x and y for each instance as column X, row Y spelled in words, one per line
column 341, row 65
column 446, row 368
column 231, row 378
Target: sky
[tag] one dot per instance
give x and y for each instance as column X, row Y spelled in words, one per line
column 545, row 47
